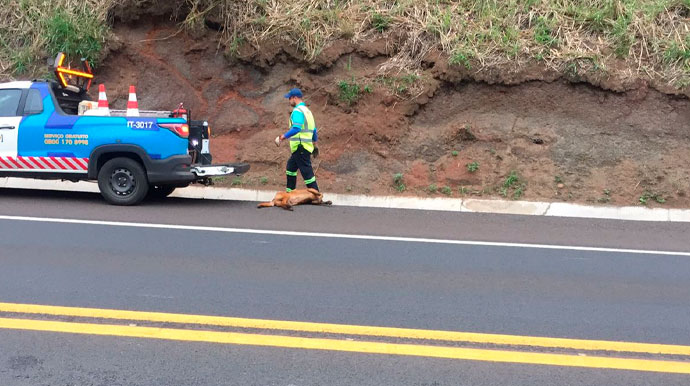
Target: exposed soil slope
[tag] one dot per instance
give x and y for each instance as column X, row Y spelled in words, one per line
column 560, row 140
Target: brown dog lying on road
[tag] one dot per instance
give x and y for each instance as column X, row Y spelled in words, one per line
column 296, row 197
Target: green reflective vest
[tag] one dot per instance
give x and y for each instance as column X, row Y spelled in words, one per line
column 306, row 133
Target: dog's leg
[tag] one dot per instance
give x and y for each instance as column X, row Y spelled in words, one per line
column 285, row 203
column 314, row 192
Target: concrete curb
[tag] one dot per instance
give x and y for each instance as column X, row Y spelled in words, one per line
column 470, row 205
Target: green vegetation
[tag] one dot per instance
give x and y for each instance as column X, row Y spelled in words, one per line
column 447, row 190
column 461, row 58
column 513, row 185
column 263, row 180
column 32, row 31
column 234, row 45
column 473, row 166
column 543, row 32
column 646, row 196
column 650, row 36
column 432, row 189
column 606, row 198
column 349, row 91
column 399, row 84
column 454, row 153
column 398, row 182
column 380, row 22
column 678, row 53
column 237, row 181
column 79, row 35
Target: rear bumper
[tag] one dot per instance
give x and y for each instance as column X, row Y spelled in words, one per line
column 174, row 170
column 220, row 170
column 177, row 170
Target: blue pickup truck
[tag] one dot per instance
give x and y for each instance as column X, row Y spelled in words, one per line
column 130, row 157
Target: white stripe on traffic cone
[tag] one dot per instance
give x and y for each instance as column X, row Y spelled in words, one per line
column 132, row 104
column 103, row 107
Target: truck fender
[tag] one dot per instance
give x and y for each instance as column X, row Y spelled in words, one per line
column 103, row 153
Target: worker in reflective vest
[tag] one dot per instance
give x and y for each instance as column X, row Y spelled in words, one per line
column 302, row 136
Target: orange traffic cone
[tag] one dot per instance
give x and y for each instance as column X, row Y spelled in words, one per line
column 103, row 107
column 132, row 104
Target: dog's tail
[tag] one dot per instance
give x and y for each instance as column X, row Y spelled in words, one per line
column 265, row 204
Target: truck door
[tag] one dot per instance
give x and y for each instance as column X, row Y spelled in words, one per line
column 10, row 118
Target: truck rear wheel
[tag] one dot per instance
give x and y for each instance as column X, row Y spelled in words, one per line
column 122, row 181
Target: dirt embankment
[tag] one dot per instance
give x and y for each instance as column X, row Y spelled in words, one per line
column 531, row 135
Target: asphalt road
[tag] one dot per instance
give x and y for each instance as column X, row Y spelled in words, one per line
column 563, row 293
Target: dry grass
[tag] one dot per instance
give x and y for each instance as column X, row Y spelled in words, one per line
column 649, row 38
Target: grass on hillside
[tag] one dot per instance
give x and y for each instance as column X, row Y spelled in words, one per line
column 636, row 37
column 33, row 30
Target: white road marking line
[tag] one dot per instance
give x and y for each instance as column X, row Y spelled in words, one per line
column 338, row 235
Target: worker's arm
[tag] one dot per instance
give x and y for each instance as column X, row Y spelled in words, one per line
column 314, row 137
column 297, row 119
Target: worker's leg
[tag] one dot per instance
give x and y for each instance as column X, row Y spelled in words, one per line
column 304, row 164
column 291, row 172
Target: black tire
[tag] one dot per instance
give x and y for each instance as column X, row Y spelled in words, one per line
column 159, row 192
column 123, row 181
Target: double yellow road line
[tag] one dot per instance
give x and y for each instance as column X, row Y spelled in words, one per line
column 577, row 358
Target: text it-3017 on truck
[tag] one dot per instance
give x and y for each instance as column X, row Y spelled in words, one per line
column 130, row 157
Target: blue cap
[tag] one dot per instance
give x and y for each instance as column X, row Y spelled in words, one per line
column 295, row 92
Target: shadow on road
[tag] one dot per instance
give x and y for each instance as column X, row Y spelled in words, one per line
column 95, row 198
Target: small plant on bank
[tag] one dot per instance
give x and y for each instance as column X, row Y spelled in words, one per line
column 380, row 22
column 263, row 180
column 558, row 179
column 237, row 181
column 454, row 153
column 447, row 190
column 461, row 58
column 398, row 84
column 513, row 185
column 511, row 180
column 463, row 190
column 432, row 189
column 398, row 182
column 234, row 45
column 397, row 178
column 349, row 91
column 646, row 196
column 678, row 54
column 473, row 166
column 605, row 198
column 543, row 32
column 518, row 192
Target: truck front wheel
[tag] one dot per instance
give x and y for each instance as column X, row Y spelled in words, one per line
column 122, row 181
